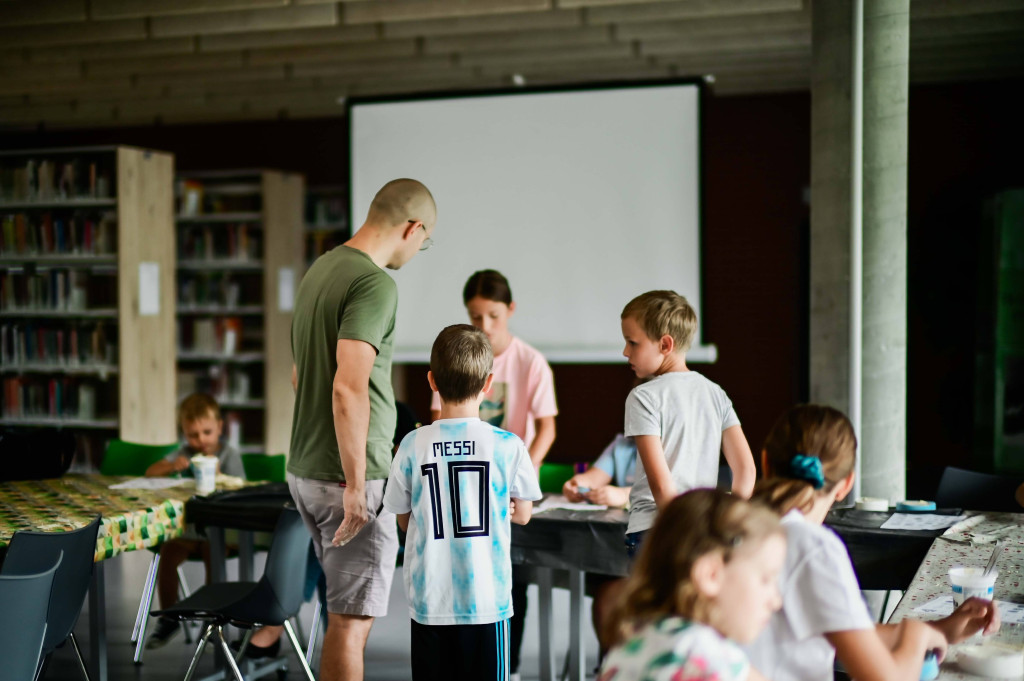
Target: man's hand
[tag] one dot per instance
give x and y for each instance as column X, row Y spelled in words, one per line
column 973, row 615
column 355, row 518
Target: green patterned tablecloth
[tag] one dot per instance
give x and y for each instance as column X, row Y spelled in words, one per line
column 133, row 519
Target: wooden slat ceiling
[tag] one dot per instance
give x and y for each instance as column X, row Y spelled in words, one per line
column 79, row 63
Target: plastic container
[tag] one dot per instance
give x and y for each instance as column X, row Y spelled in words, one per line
column 205, row 470
column 971, row 581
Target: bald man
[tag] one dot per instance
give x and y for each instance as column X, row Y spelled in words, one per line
column 342, row 333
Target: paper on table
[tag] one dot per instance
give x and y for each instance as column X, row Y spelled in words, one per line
column 149, row 483
column 559, row 501
column 1009, row 613
column 920, row 521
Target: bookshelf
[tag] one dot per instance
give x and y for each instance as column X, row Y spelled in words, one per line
column 326, row 220
column 240, row 258
column 87, row 294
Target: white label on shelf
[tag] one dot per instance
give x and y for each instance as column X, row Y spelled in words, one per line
column 286, row 289
column 149, row 289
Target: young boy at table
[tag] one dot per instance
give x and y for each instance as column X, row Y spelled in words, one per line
column 202, row 425
column 454, row 486
column 679, row 420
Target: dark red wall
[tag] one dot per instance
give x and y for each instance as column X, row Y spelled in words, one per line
column 965, row 145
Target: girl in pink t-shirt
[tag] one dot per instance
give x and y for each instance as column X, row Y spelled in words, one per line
column 522, row 395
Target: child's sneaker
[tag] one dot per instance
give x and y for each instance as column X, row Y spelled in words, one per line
column 164, row 632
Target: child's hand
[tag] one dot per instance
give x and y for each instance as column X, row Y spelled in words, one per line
column 181, row 464
column 609, row 495
column 973, row 615
column 571, row 491
column 934, row 640
column 511, row 507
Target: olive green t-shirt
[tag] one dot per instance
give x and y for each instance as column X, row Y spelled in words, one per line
column 344, row 295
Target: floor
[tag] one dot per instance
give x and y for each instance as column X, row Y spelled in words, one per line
column 387, row 654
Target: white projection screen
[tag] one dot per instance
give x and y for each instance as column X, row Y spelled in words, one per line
column 583, row 198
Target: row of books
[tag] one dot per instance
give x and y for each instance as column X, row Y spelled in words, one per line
column 209, row 242
column 326, row 211
column 80, row 233
column 44, row 289
column 221, row 336
column 71, row 345
column 209, row 288
column 194, row 199
column 45, row 179
column 226, row 385
column 55, row 398
column 319, row 243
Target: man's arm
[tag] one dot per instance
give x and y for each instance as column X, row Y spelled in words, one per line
column 543, row 440
column 350, row 401
column 295, row 378
column 659, row 477
column 740, row 460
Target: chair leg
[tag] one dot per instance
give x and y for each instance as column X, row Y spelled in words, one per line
column 78, row 654
column 290, row 630
column 243, row 645
column 204, row 637
column 186, row 626
column 314, row 631
column 150, row 576
column 229, row 654
column 147, row 598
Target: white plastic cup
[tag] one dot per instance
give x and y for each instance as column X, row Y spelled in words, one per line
column 971, row 581
column 205, row 470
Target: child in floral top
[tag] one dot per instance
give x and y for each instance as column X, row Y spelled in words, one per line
column 705, row 580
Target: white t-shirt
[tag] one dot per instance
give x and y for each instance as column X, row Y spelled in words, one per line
column 456, row 477
column 673, row 649
column 688, row 412
column 820, row 594
column 523, row 390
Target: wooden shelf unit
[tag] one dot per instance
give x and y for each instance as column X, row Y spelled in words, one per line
column 326, row 220
column 240, row 259
column 80, row 226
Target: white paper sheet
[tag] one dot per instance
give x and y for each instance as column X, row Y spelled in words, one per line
column 920, row 521
column 149, row 289
column 149, row 483
column 285, row 289
column 1009, row 613
column 559, row 501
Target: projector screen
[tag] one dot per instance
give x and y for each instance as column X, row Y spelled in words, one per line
column 582, row 198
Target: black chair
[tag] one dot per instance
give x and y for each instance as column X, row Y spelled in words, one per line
column 33, row 551
column 272, row 600
column 977, row 491
column 25, row 598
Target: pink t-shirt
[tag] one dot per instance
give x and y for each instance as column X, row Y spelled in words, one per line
column 523, row 390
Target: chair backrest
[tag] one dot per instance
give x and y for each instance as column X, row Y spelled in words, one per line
column 977, row 491
column 285, row 571
column 31, row 552
column 269, row 467
column 131, row 458
column 25, row 598
column 554, row 475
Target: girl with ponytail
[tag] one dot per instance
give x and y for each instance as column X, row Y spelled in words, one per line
column 808, row 464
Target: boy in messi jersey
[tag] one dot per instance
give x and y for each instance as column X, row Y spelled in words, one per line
column 455, row 485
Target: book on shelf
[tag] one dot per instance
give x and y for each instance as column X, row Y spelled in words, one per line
column 221, row 336
column 58, row 398
column 224, row 384
column 51, row 179
column 71, row 345
column 208, row 289
column 78, row 233
column 233, row 241
column 51, row 289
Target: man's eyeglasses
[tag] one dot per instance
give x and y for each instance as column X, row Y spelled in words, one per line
column 428, row 242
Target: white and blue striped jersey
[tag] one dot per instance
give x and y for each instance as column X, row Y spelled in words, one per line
column 456, row 477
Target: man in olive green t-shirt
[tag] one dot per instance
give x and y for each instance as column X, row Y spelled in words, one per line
column 342, row 332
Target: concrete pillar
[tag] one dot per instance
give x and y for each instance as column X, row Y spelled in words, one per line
column 831, row 149
column 884, row 367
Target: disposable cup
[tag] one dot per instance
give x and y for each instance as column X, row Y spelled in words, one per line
column 205, row 470
column 971, row 581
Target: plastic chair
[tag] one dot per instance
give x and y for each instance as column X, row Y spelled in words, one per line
column 274, row 599
column 974, row 491
column 26, row 600
column 269, row 467
column 554, row 475
column 131, row 458
column 31, row 552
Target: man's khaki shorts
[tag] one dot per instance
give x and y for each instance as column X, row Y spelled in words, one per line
column 359, row 573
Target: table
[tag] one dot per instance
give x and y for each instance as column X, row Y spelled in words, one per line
column 931, row 579
column 132, row 520
column 576, row 542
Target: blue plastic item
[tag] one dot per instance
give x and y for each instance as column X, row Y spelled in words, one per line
column 915, row 506
column 930, row 668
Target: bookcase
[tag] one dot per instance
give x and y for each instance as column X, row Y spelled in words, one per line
column 87, row 294
column 326, row 220
column 240, row 258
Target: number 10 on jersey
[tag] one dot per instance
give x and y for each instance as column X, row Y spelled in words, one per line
column 470, row 517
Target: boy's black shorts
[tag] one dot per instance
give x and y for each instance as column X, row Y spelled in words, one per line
column 460, row 651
